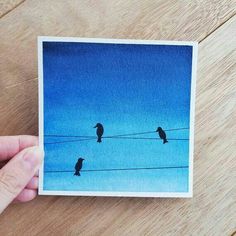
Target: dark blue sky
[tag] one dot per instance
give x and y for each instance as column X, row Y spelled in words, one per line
column 127, row 88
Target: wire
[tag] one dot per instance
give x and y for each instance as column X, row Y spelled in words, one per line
column 122, row 135
column 105, row 137
column 121, row 169
column 71, row 141
column 80, row 140
column 175, row 129
column 68, row 136
column 119, row 135
column 148, row 138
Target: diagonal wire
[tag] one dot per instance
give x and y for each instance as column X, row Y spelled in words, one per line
column 118, row 135
column 72, row 141
column 68, row 136
column 135, row 138
column 121, row 169
column 147, row 138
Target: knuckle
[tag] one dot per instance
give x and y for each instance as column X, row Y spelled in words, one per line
column 9, row 182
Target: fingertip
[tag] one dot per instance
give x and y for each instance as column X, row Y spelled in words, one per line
column 26, row 195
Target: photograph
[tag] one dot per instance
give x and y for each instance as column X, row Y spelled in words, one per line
column 116, row 117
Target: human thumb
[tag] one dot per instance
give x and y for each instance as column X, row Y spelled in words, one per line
column 15, row 175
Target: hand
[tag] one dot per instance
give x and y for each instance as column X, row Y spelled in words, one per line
column 18, row 177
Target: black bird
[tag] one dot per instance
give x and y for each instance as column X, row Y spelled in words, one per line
column 100, row 131
column 162, row 134
column 78, row 166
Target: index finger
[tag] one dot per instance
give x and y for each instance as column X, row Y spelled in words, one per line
column 11, row 145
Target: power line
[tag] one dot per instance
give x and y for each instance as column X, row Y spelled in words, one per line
column 118, row 135
column 175, row 129
column 134, row 138
column 122, row 135
column 72, row 141
column 68, row 136
column 120, row 169
column 147, row 138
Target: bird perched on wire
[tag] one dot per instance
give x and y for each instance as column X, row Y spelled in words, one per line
column 78, row 166
column 100, row 131
column 162, row 134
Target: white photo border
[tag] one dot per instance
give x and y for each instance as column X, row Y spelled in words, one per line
column 194, row 45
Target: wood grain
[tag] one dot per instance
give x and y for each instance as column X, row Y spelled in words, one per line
column 212, row 209
column 149, row 19
column 18, row 109
column 8, row 5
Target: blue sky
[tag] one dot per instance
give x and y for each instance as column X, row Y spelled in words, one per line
column 127, row 88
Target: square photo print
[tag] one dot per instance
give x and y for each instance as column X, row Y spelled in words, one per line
column 116, row 117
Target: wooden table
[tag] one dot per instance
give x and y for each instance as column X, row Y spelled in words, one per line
column 212, row 210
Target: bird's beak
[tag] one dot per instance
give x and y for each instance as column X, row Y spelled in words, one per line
column 95, row 126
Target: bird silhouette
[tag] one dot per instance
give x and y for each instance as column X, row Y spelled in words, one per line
column 162, row 134
column 100, row 131
column 78, row 166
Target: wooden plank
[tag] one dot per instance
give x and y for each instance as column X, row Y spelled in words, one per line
column 161, row 19
column 8, row 5
column 19, row 109
column 212, row 209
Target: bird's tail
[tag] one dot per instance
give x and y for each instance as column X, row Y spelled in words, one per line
column 165, row 141
column 99, row 139
column 77, row 173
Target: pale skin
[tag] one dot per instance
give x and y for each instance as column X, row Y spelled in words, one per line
column 20, row 159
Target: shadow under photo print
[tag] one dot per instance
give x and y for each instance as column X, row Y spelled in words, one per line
column 116, row 117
